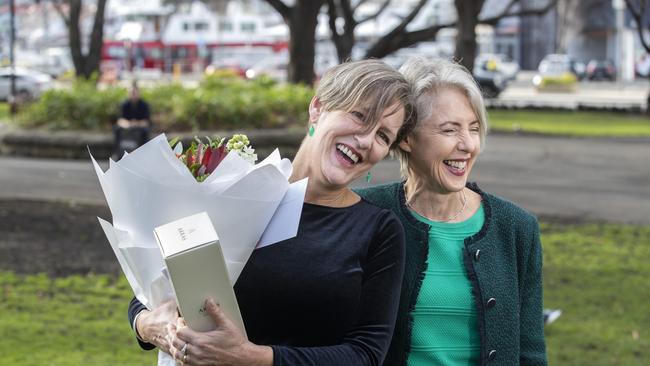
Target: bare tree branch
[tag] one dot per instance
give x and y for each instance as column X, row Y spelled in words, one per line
column 394, row 39
column 58, row 6
column 348, row 15
column 281, row 8
column 332, row 15
column 507, row 9
column 357, row 5
column 409, row 18
column 521, row 13
column 637, row 14
column 400, row 38
column 381, row 9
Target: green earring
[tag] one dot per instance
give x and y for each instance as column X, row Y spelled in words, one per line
column 368, row 177
column 311, row 130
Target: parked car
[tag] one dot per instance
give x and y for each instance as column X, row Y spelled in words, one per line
column 236, row 59
column 575, row 67
column 29, row 83
column 492, row 83
column 555, row 75
column 642, row 66
column 498, row 62
column 601, row 70
column 274, row 66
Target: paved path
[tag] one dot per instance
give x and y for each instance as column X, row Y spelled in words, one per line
column 601, row 179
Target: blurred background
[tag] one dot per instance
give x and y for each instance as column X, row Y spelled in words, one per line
column 567, row 85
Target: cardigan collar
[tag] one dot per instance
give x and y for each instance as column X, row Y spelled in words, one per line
column 411, row 220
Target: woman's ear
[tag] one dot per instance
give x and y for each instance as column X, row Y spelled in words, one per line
column 314, row 110
column 405, row 144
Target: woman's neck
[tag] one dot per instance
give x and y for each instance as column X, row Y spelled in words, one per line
column 433, row 203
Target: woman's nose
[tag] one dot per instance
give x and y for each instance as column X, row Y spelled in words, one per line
column 364, row 140
column 466, row 143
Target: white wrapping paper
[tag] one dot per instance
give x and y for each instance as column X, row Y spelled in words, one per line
column 249, row 205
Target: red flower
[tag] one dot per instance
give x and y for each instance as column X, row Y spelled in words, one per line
column 213, row 158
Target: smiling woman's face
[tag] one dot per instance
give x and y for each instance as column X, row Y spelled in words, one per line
column 443, row 148
column 344, row 148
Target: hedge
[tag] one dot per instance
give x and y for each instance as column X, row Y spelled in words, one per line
column 222, row 101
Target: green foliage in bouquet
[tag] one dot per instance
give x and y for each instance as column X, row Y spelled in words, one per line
column 220, row 102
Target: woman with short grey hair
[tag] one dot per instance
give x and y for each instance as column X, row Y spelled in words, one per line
column 472, row 288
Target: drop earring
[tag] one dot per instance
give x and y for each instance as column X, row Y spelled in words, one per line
column 311, row 130
column 368, row 177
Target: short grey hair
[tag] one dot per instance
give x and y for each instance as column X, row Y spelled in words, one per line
column 427, row 77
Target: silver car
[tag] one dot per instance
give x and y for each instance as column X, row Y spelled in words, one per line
column 29, row 84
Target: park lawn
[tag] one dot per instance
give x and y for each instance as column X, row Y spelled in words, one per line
column 571, row 123
column 71, row 321
column 4, row 111
column 596, row 273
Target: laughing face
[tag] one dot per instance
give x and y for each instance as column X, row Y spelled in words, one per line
column 443, row 148
column 343, row 148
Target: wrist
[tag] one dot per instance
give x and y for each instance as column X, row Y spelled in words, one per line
column 257, row 355
column 138, row 326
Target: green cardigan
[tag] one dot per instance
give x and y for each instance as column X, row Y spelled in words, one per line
column 504, row 264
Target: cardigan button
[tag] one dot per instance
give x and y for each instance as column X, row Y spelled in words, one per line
column 492, row 355
column 477, row 255
column 491, row 302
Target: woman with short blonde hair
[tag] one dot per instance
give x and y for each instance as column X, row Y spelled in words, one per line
column 329, row 295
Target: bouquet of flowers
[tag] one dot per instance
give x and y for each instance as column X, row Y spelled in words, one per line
column 203, row 158
column 250, row 205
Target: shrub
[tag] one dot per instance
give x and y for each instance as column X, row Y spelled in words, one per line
column 80, row 107
column 221, row 101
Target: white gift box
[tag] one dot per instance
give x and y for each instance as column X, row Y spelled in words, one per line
column 197, row 270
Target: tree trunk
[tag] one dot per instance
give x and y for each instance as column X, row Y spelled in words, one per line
column 344, row 44
column 94, row 56
column 342, row 41
column 86, row 65
column 468, row 11
column 647, row 106
column 74, row 37
column 302, row 43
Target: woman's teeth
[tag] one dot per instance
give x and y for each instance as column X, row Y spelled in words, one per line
column 460, row 165
column 347, row 152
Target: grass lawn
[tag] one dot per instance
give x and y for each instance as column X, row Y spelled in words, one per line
column 67, row 322
column 577, row 123
column 597, row 274
column 4, row 110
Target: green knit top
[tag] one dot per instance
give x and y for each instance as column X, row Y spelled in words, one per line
column 445, row 328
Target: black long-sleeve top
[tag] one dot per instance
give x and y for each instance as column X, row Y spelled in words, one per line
column 328, row 296
column 135, row 110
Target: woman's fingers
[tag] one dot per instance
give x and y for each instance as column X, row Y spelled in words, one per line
column 220, row 319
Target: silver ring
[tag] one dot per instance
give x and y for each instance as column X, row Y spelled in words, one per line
column 184, row 358
column 184, row 350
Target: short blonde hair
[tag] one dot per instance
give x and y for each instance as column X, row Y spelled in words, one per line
column 427, row 77
column 370, row 84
